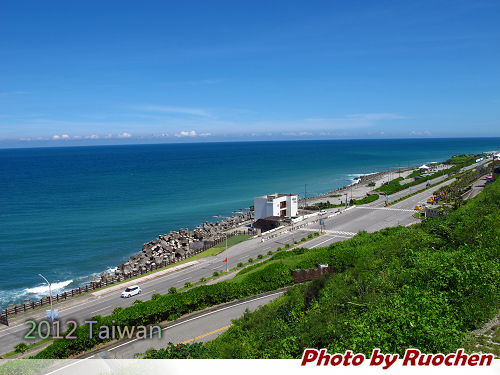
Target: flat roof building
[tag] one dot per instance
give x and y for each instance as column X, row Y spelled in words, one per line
column 282, row 205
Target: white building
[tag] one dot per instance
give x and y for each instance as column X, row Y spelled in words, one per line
column 283, row 205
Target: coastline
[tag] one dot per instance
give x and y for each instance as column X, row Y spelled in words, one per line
column 118, row 241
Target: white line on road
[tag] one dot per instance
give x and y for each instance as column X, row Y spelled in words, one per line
column 322, row 242
column 198, row 317
column 187, row 278
column 100, row 309
column 74, row 363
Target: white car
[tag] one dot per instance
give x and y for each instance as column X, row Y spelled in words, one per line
column 131, row 291
column 322, row 212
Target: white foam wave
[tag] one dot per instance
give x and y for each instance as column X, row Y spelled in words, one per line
column 45, row 288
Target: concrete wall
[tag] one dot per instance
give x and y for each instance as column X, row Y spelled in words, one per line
column 270, row 205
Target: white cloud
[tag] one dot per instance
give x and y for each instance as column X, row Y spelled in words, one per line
column 77, row 137
column 124, row 135
column 192, row 133
column 92, row 136
column 56, row 137
column 255, row 135
column 168, row 109
column 205, row 135
column 108, row 136
column 426, row 133
column 65, row 136
column 333, row 134
column 382, row 133
column 297, row 134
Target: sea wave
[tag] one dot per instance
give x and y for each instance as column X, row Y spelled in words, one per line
column 45, row 288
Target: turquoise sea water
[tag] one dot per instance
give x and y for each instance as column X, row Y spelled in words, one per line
column 68, row 213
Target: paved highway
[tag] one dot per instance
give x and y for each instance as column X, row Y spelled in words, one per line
column 338, row 227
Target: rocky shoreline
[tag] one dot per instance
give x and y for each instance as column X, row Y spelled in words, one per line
column 176, row 246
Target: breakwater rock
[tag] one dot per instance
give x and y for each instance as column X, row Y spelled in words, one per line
column 174, row 246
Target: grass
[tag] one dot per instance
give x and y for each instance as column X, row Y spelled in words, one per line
column 30, row 346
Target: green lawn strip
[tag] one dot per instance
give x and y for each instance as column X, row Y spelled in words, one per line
column 219, row 248
column 28, row 347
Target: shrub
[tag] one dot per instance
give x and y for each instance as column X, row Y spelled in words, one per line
column 239, row 264
column 316, row 234
column 279, row 249
column 269, row 252
column 215, row 274
column 172, row 290
column 203, row 279
column 187, row 284
column 310, row 235
column 155, row 296
column 260, row 256
column 303, row 239
column 118, row 309
column 137, row 302
column 250, row 260
column 287, row 246
column 21, row 347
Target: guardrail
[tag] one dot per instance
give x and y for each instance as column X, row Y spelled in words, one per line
column 112, row 279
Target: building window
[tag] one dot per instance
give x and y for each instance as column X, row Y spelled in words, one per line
column 283, row 204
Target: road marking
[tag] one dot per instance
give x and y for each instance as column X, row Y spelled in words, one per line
column 74, row 363
column 321, row 243
column 100, row 309
column 386, row 208
column 206, row 334
column 331, row 231
column 187, row 278
column 244, row 256
column 198, row 317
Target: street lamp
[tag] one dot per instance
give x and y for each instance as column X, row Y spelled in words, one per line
column 351, row 189
column 50, row 294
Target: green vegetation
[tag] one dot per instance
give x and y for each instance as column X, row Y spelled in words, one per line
column 171, row 306
column 326, row 205
column 424, row 287
column 414, row 174
column 231, row 241
column 155, row 296
column 21, row 347
column 461, row 159
column 117, row 310
column 394, row 185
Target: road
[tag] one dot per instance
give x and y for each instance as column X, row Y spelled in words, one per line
column 338, row 227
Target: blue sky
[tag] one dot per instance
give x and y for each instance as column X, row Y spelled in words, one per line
column 112, row 72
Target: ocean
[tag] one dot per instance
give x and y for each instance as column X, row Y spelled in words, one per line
column 70, row 213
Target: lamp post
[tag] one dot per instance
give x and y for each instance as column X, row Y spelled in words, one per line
column 50, row 297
